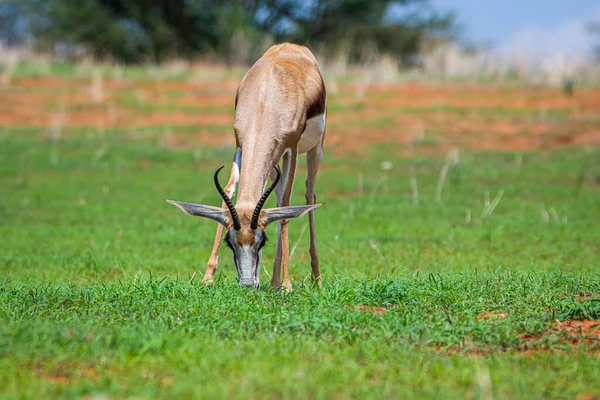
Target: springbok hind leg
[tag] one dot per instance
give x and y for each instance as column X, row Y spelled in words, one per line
column 313, row 162
column 212, row 264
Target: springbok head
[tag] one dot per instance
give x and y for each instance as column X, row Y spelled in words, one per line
column 245, row 236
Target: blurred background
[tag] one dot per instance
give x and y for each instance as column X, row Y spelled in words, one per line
column 442, row 38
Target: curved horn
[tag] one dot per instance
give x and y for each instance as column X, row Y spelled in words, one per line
column 261, row 202
column 234, row 215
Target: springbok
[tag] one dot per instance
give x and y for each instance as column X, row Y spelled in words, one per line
column 280, row 112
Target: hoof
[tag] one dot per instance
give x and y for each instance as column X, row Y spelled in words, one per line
column 207, row 281
column 278, row 286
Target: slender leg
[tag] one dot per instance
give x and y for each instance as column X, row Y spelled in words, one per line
column 279, row 190
column 313, row 162
column 282, row 258
column 213, row 261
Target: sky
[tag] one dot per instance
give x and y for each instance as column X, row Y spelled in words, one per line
column 538, row 28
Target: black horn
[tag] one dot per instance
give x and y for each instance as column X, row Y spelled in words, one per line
column 227, row 200
column 261, row 202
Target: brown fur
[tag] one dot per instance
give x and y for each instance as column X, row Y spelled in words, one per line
column 245, row 236
column 273, row 104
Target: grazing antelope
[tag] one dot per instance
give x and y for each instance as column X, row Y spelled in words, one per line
column 280, row 111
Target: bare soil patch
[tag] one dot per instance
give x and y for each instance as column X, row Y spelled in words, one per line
column 583, row 297
column 562, row 336
column 65, row 373
column 364, row 308
column 369, row 309
column 572, row 332
column 489, row 315
column 426, row 118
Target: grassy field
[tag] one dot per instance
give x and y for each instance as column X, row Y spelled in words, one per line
column 480, row 284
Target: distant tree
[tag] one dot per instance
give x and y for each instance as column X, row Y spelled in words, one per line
column 235, row 30
column 126, row 30
column 395, row 27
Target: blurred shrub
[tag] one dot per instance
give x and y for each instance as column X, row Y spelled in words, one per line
column 236, row 31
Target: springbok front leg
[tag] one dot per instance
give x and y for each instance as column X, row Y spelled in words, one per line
column 279, row 190
column 313, row 162
column 290, row 160
column 213, row 261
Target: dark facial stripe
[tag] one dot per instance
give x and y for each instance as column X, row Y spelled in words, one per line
column 235, row 262
column 257, row 266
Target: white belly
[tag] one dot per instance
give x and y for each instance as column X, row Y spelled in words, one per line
column 313, row 133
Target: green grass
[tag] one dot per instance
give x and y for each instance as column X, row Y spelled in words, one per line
column 101, row 296
column 163, row 338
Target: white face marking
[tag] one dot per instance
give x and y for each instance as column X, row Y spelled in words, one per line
column 246, row 258
column 313, row 133
column 247, row 264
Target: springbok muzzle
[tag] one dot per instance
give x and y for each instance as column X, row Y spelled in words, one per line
column 250, row 282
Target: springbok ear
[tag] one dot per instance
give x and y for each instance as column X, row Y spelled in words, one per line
column 200, row 210
column 275, row 214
